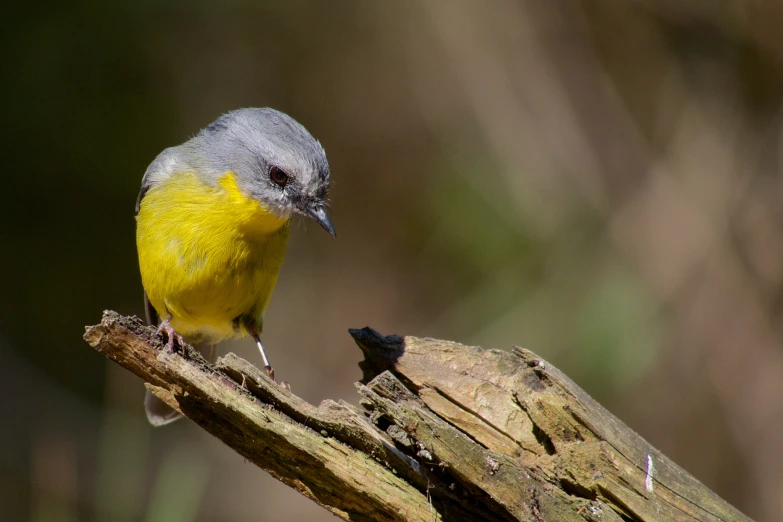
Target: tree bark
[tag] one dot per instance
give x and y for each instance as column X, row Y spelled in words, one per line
column 447, row 432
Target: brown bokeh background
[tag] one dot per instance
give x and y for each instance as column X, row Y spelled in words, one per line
column 599, row 182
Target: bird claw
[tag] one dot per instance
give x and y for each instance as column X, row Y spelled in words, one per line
column 271, row 373
column 173, row 336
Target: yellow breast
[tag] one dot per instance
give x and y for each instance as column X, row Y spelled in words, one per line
column 208, row 255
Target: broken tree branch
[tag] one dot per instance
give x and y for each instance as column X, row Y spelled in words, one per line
column 449, row 432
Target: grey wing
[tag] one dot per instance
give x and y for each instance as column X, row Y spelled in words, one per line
column 158, row 412
column 162, row 167
column 150, row 312
column 142, row 193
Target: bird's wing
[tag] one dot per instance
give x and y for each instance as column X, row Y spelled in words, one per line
column 150, row 312
column 165, row 165
column 162, row 168
column 142, row 192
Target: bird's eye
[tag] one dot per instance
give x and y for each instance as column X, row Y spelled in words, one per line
column 278, row 176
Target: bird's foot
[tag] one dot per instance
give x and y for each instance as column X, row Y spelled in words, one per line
column 173, row 336
column 270, row 372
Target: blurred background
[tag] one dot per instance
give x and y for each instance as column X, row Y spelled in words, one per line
column 599, row 182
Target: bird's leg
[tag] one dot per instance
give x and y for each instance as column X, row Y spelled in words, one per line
column 172, row 334
column 269, row 370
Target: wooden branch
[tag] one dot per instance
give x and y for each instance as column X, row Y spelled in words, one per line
column 449, row 432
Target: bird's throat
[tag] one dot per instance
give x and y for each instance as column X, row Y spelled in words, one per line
column 252, row 216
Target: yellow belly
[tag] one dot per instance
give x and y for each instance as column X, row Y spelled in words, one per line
column 209, row 256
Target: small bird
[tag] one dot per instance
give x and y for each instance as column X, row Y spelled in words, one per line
column 212, row 223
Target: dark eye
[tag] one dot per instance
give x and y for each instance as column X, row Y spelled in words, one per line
column 278, row 176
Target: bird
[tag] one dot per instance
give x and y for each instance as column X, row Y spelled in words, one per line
column 213, row 217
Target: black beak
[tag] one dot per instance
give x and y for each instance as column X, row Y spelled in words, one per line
column 318, row 213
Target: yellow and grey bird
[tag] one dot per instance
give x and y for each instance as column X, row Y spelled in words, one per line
column 212, row 223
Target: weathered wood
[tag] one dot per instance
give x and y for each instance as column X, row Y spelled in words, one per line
column 448, row 432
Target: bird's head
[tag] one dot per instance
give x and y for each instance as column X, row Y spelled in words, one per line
column 274, row 160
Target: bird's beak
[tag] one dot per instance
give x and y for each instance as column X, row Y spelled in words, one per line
column 318, row 213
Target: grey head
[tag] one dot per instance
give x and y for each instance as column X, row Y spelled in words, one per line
column 274, row 160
